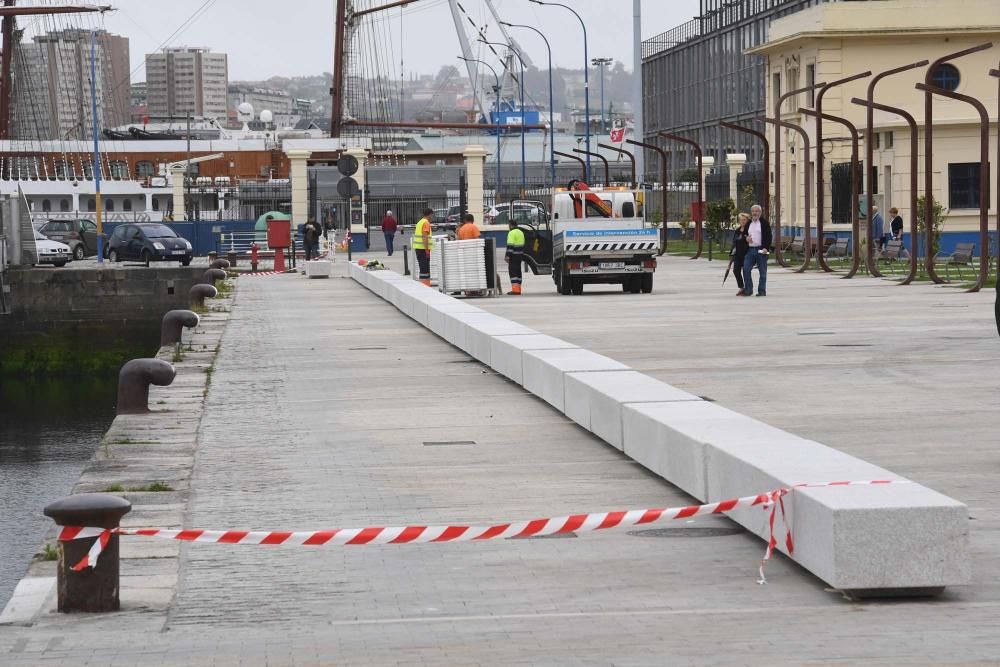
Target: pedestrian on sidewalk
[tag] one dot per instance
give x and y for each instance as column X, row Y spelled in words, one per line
column 878, row 228
column 896, row 224
column 514, row 256
column 739, row 249
column 760, row 242
column 423, row 243
column 311, row 232
column 389, row 228
column 468, row 230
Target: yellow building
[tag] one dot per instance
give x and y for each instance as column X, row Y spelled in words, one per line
column 836, row 40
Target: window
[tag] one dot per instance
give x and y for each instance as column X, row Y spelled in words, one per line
column 64, row 205
column 109, row 205
column 91, row 205
column 46, row 205
column 156, row 203
column 889, row 139
column 775, row 89
column 144, row 169
column 964, row 185
column 878, row 140
column 127, row 205
column 875, row 179
column 119, row 169
column 946, row 76
column 811, row 81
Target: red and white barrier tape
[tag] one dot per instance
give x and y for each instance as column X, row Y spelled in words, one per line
column 264, row 274
column 575, row 523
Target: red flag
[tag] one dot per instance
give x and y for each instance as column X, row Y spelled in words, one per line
column 617, row 135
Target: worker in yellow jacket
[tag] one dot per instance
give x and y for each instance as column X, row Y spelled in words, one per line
column 422, row 245
column 514, row 256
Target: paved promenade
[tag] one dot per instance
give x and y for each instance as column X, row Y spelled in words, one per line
column 328, row 408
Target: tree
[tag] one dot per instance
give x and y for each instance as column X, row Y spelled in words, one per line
column 719, row 215
column 940, row 213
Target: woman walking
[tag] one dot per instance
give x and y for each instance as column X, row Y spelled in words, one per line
column 738, row 252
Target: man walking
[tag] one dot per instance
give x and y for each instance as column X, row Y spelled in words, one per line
column 878, row 228
column 389, row 228
column 468, row 230
column 311, row 232
column 514, row 256
column 760, row 242
column 422, row 245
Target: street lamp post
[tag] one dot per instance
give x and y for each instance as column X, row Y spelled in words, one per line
column 496, row 89
column 586, row 73
column 602, row 63
column 552, row 117
column 524, row 175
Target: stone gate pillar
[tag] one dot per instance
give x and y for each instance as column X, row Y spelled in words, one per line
column 736, row 162
column 475, row 165
column 299, row 177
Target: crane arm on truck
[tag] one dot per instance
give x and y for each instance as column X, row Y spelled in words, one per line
column 588, row 200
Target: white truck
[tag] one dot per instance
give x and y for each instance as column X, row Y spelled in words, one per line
column 588, row 236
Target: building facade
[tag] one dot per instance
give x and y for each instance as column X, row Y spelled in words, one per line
column 834, row 41
column 700, row 73
column 52, row 85
column 186, row 81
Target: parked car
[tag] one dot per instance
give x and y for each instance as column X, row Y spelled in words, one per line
column 440, row 218
column 451, row 219
column 519, row 208
column 79, row 235
column 51, row 252
column 148, row 242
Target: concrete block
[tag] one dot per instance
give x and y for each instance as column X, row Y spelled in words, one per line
column 475, row 331
column 595, row 400
column 507, row 352
column 440, row 314
column 543, row 371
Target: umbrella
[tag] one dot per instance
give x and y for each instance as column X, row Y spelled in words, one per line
column 728, row 270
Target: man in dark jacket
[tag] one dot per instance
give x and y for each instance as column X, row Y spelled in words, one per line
column 760, row 243
column 389, row 227
column 311, row 232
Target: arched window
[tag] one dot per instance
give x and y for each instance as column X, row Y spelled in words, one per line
column 946, row 76
column 144, row 169
column 91, row 205
column 156, row 203
column 127, row 205
column 46, row 205
column 109, row 205
column 64, row 205
column 119, row 169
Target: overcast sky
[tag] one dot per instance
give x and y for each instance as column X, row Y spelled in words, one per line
column 295, row 37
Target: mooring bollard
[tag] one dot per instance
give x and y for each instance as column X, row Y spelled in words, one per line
column 220, row 264
column 212, row 256
column 92, row 589
column 211, row 275
column 173, row 323
column 406, row 261
column 198, row 294
column 134, row 380
column 231, row 256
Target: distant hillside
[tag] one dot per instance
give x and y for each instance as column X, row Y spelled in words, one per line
column 316, row 88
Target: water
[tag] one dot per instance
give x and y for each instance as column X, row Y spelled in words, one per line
column 48, row 430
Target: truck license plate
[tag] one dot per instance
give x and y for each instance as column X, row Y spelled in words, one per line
column 612, row 265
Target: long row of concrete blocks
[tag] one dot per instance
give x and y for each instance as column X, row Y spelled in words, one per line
column 876, row 540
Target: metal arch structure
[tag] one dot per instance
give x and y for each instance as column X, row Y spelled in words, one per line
column 583, row 163
column 607, row 167
column 631, row 157
column 767, row 169
column 807, row 245
column 984, row 178
column 663, row 187
column 820, row 170
column 855, row 188
column 700, row 222
column 914, row 179
column 996, row 306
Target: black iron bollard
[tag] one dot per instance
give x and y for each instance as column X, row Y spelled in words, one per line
column 221, row 264
column 406, row 261
column 212, row 256
column 198, row 294
column 173, row 323
column 92, row 589
column 134, row 380
column 231, row 257
column 211, row 275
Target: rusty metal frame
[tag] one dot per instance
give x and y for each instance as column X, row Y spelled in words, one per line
column 631, row 158
column 929, row 153
column 700, row 222
column 767, row 162
column 984, row 178
column 996, row 305
column 855, row 189
column 820, row 164
column 663, row 191
column 807, row 245
column 914, row 177
column 582, row 162
column 779, row 255
column 607, row 168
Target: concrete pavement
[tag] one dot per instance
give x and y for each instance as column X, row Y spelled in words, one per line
column 323, row 399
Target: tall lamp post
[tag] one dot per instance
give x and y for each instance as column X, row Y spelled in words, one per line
column 586, row 72
column 524, row 174
column 602, row 63
column 496, row 89
column 552, row 117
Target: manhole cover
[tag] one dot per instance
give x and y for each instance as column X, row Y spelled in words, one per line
column 440, row 443
column 686, row 532
column 544, row 537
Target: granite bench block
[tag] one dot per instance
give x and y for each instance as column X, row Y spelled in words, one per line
column 544, row 371
column 476, row 331
column 441, row 313
column 595, row 400
column 507, row 352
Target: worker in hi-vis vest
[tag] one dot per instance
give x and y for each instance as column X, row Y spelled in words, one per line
column 422, row 244
column 514, row 256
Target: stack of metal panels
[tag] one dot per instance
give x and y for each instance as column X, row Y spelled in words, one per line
column 463, row 265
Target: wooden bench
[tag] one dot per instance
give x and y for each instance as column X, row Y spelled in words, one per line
column 892, row 254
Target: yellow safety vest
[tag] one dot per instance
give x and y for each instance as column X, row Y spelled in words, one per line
column 423, row 227
column 515, row 240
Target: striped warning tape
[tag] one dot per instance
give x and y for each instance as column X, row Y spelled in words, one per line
column 265, row 274
column 574, row 523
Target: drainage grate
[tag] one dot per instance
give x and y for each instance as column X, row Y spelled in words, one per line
column 707, row 398
column 464, row 361
column 557, row 536
column 441, row 443
column 686, row 532
column 361, row 349
column 816, row 333
column 847, row 345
